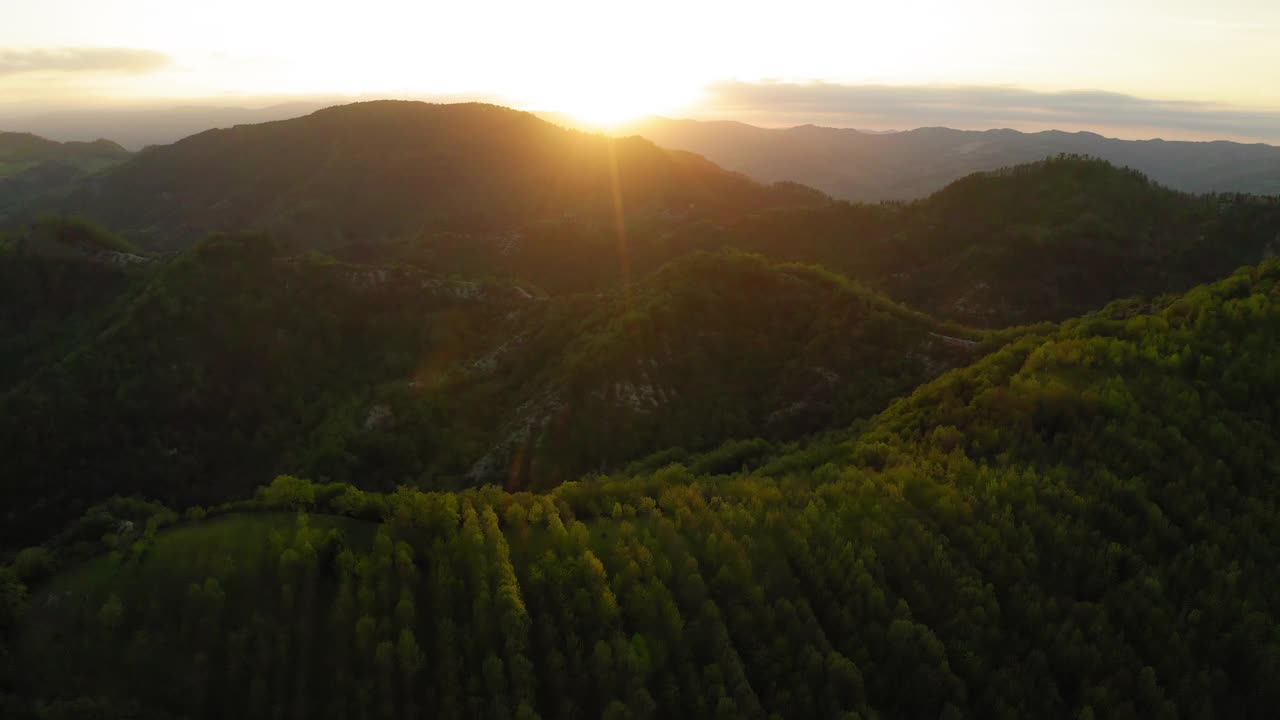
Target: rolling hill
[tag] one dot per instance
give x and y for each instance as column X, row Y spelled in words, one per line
column 1042, row 241
column 709, row 348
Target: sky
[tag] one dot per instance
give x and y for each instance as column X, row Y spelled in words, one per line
column 1168, row 68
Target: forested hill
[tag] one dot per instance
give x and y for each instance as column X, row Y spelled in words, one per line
column 389, row 169
column 55, row 281
column 1044, row 241
column 190, row 379
column 709, row 348
column 239, row 359
column 1081, row 525
column 218, row 363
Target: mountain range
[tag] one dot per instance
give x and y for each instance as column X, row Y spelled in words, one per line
column 875, row 167
column 569, row 211
column 136, row 129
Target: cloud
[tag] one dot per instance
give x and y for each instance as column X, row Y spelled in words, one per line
column 80, row 60
column 974, row 107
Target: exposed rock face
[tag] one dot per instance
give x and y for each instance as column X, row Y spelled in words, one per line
column 522, row 432
column 955, row 341
column 122, row 259
column 639, row 397
column 379, row 415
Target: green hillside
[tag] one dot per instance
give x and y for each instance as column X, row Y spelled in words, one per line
column 57, row 279
column 217, row 366
column 711, row 347
column 1082, row 524
column 239, row 360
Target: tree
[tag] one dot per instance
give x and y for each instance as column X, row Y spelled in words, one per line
column 409, row 656
column 287, row 492
column 111, row 614
column 34, row 564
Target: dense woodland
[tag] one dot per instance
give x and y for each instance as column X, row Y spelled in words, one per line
column 1045, row 241
column 716, row 450
column 35, row 171
column 238, row 361
column 1080, row 525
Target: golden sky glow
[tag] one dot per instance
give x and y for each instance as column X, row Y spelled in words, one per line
column 608, row 61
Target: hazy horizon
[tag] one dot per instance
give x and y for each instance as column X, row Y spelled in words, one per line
column 1183, row 71
column 140, row 123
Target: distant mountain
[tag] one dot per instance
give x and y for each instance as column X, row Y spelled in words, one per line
column 389, row 169
column 23, row 151
column 856, row 165
column 136, row 129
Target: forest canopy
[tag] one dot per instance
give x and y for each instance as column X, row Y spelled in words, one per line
column 1044, row 533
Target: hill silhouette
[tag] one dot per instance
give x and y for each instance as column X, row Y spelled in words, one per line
column 23, row 151
column 387, row 169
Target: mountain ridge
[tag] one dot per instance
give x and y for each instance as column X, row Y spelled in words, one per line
column 905, row 165
column 467, row 166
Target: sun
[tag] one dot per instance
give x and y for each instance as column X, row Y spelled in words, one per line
column 607, row 106
column 606, row 116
